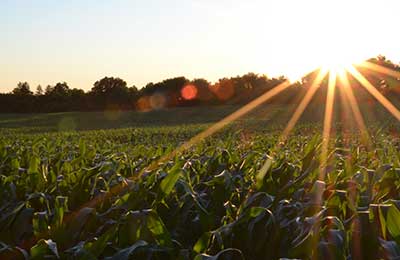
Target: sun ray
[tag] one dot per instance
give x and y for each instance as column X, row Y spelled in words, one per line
column 211, row 130
column 320, row 185
column 330, row 99
column 235, row 115
column 350, row 98
column 380, row 69
column 217, row 126
column 375, row 93
column 120, row 188
column 304, row 103
column 293, row 120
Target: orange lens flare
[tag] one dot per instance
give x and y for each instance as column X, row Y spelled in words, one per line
column 189, row 92
column 223, row 89
column 143, row 104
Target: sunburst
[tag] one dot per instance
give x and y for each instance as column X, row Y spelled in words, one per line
column 335, row 69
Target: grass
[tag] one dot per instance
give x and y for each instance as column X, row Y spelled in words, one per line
column 91, row 194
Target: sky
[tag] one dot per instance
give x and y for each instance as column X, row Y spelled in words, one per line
column 46, row 41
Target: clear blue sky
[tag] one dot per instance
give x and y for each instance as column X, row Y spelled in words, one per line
column 47, row 41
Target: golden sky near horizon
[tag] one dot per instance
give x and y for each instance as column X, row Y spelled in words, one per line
column 147, row 41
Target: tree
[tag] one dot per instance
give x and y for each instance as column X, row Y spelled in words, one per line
column 39, row 91
column 109, row 85
column 110, row 92
column 203, row 90
column 201, row 83
column 76, row 92
column 133, row 91
column 48, row 90
column 22, row 89
column 60, row 89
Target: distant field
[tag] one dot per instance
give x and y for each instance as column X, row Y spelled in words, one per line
column 123, row 119
column 113, row 119
column 271, row 114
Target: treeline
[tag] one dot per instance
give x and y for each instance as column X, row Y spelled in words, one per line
column 112, row 93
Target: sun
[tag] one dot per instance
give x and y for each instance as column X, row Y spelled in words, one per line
column 329, row 64
column 338, row 61
column 336, row 65
column 335, row 56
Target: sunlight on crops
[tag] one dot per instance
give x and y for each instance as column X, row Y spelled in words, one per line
column 245, row 189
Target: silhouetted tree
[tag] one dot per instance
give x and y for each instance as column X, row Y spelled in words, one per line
column 22, row 89
column 61, row 89
column 111, row 93
column 133, row 91
column 204, row 94
column 169, row 90
column 39, row 90
column 48, row 90
column 109, row 85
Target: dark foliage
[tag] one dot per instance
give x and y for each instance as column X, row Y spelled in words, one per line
column 112, row 93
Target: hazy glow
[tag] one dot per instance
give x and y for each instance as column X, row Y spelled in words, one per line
column 350, row 99
column 79, row 42
column 375, row 93
column 194, row 140
column 380, row 69
column 244, row 110
column 303, row 104
column 293, row 120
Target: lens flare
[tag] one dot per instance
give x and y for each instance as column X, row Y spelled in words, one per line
column 224, row 89
column 158, row 101
column 189, row 92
